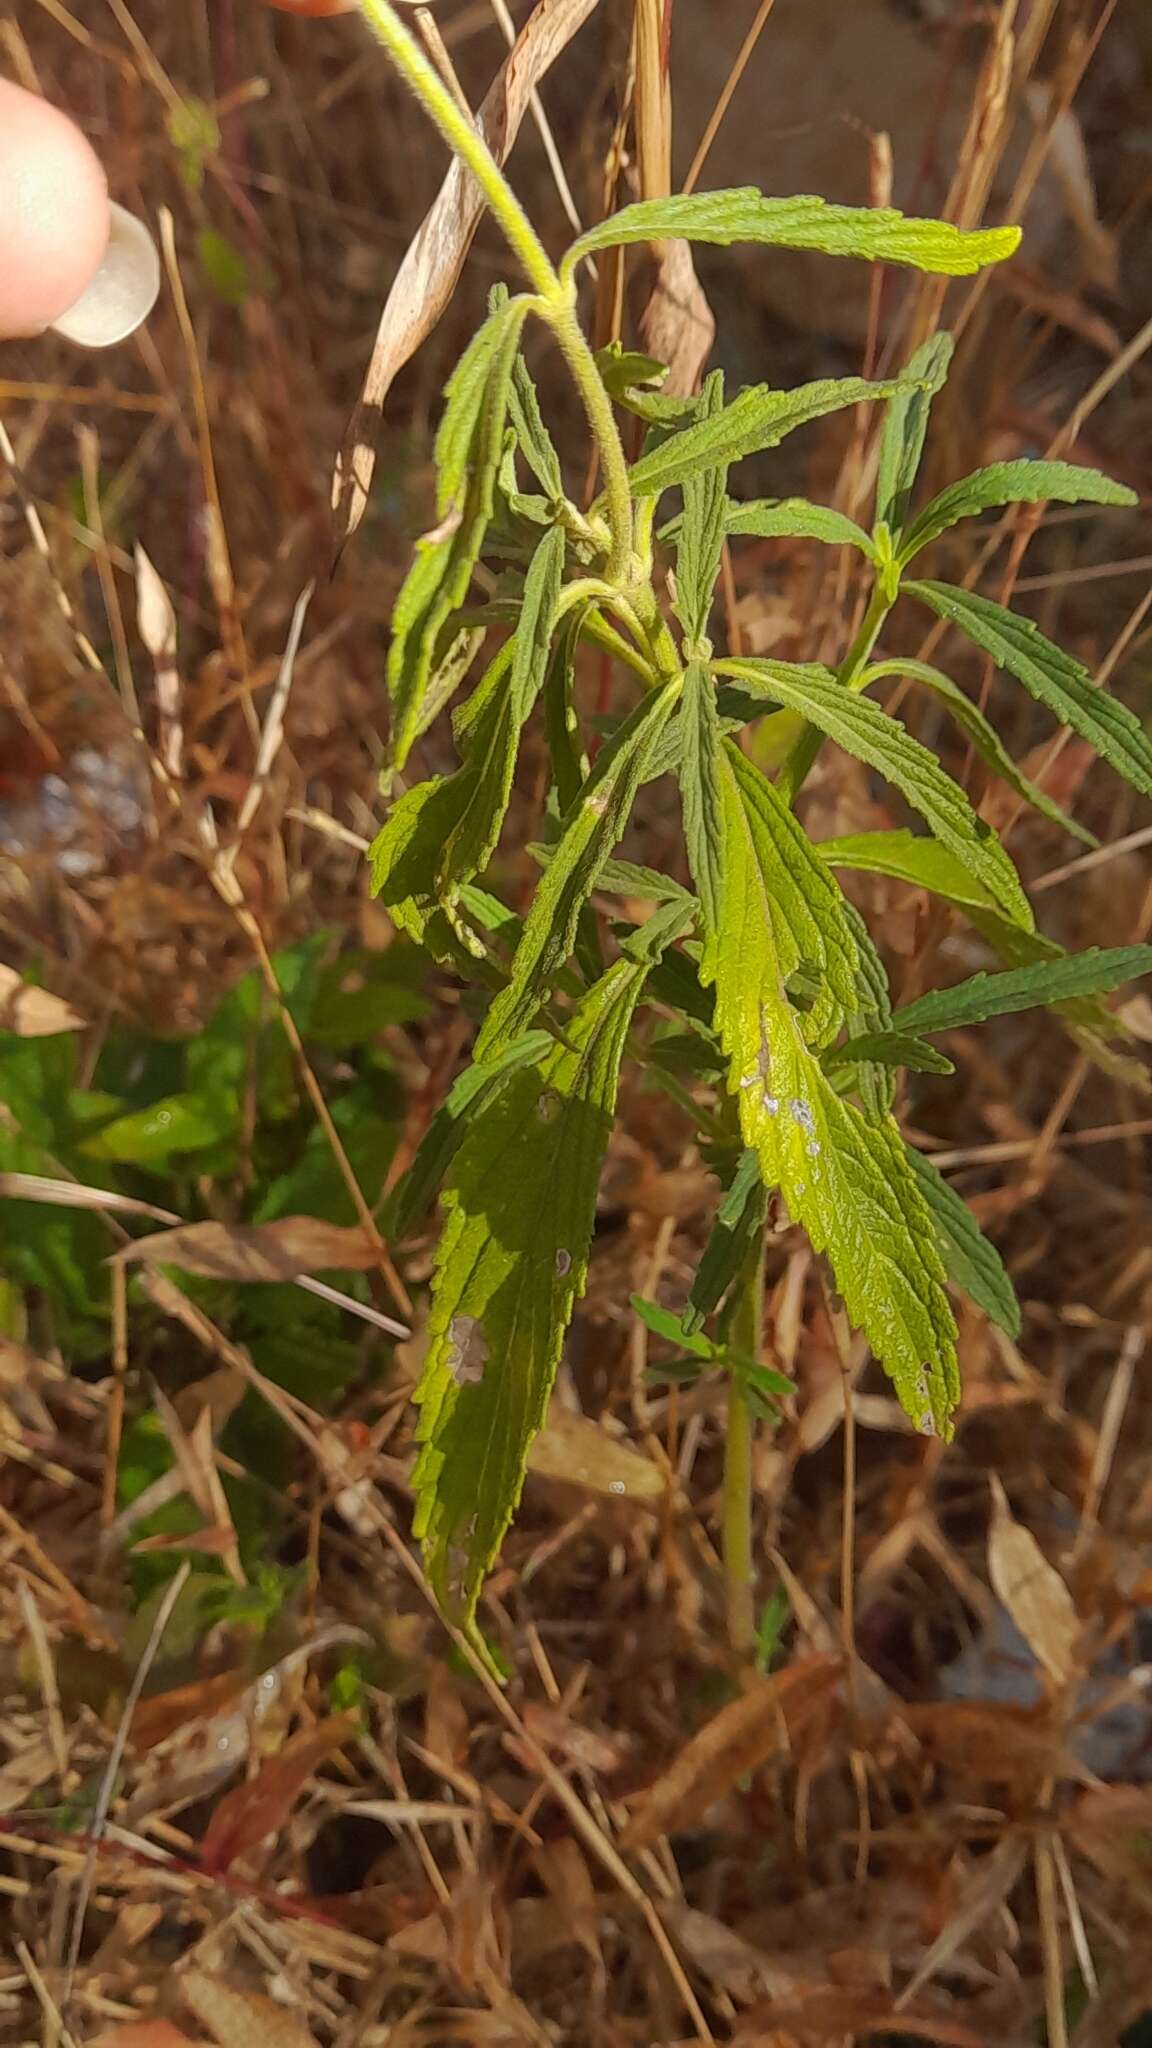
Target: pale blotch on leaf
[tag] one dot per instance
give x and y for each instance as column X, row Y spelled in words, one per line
column 467, row 1352
column 563, row 1263
column 547, row 1105
column 802, row 1112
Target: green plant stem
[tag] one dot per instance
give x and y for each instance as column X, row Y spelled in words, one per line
column 557, row 306
column 739, row 1577
column 561, row 317
column 465, row 139
column 796, row 769
column 739, row 1602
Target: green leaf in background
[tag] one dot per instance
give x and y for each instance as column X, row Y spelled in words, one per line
column 468, row 450
column 1092, row 973
column 414, row 1193
column 590, row 831
column 624, row 369
column 984, row 737
column 519, row 1209
column 784, row 518
column 699, row 773
column 1051, row 676
column 701, row 536
column 1011, row 483
column 862, row 729
column 741, row 1215
column 756, row 419
column 844, row 1178
column 876, row 234
column 906, row 429
column 973, row 1263
column 152, row 1137
column 663, row 1323
column 225, row 267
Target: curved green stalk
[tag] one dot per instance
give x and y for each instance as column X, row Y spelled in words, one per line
column 557, row 297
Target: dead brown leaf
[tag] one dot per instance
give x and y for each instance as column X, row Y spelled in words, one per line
column 1032, row 1591
column 145, row 2034
column 256, row 1251
column 739, row 1739
column 676, row 325
column 242, row 2019
column 251, row 1812
column 578, row 1451
column 32, row 1012
column 427, row 276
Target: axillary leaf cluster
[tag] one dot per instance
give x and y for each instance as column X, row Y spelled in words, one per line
column 793, row 1048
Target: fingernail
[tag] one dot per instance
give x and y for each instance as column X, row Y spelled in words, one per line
column 123, row 291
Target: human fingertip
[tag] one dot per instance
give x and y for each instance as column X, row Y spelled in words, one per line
column 55, row 217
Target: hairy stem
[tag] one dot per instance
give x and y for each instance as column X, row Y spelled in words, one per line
column 464, row 138
column 798, row 765
column 557, row 298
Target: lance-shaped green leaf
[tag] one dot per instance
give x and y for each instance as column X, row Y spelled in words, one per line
column 756, row 419
column 908, row 857
column 925, row 864
column 590, row 831
column 490, row 724
column 813, row 935
column 532, row 437
column 786, row 518
column 844, row 1178
column 984, row 737
column 478, row 1085
column 889, row 1049
column 405, row 856
column 1011, row 483
column 877, row 234
column 1053, row 677
column 906, row 429
column 972, row 1262
column 519, row 1208
column 701, row 536
column 1091, row 973
column 862, row 729
column 739, row 1218
column 468, row 450
column 875, row 1082
column 699, row 773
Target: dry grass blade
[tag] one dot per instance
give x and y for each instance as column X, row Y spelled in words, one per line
column 107, row 1790
column 272, row 733
column 255, row 1251
column 31, row 1012
column 427, row 277
column 71, row 1194
column 1032, row 1591
column 740, row 1738
column 156, row 621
